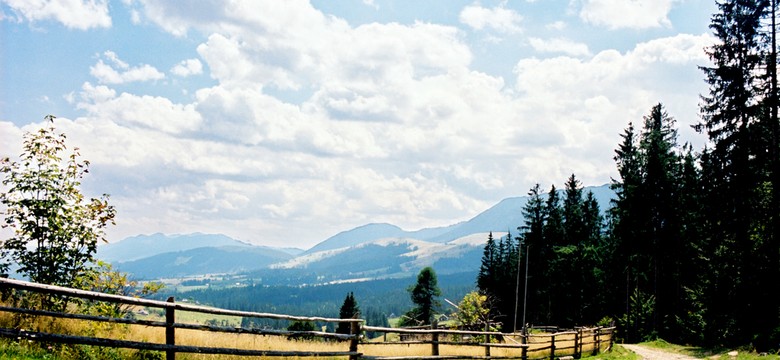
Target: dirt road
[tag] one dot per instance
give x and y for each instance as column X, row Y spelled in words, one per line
column 655, row 354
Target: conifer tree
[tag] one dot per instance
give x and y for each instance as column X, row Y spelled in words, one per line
column 487, row 276
column 736, row 115
column 425, row 295
column 349, row 310
column 539, row 249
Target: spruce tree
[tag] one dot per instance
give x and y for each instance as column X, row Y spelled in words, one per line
column 487, row 276
column 734, row 116
column 349, row 310
column 538, row 249
column 425, row 295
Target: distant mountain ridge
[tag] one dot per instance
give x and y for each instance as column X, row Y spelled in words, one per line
column 368, row 251
column 202, row 261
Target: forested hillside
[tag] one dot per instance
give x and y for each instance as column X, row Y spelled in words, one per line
column 689, row 250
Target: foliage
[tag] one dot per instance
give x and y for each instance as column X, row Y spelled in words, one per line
column 424, row 295
column 101, row 277
column 16, row 350
column 473, row 310
column 55, row 229
column 617, row 353
column 349, row 310
column 498, row 270
column 561, row 243
column 301, row 326
column 740, row 172
column 637, row 326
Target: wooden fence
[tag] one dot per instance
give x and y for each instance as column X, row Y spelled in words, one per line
column 531, row 346
column 574, row 344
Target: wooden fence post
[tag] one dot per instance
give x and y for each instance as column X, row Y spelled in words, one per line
column 434, row 338
column 354, row 329
column 552, row 347
column 487, row 339
column 524, row 341
column 435, row 344
column 577, row 343
column 170, row 334
column 596, row 341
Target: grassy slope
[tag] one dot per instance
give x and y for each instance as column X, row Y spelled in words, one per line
column 742, row 354
column 620, row 353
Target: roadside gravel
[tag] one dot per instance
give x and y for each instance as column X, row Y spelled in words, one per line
column 655, row 354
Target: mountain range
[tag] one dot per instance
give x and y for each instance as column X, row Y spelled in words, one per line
column 371, row 251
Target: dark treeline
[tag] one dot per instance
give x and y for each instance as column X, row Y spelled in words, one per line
column 561, row 244
column 377, row 299
column 689, row 249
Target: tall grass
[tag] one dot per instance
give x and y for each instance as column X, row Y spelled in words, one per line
column 228, row 340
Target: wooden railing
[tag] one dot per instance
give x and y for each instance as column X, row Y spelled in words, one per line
column 511, row 345
column 169, row 307
column 574, row 343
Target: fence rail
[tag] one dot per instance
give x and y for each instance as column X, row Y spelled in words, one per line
column 531, row 346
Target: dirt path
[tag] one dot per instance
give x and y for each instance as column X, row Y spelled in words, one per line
column 655, row 354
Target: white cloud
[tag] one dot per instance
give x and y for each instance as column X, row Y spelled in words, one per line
column 74, row 14
column 187, row 68
column 498, row 18
column 387, row 122
column 589, row 101
column 147, row 111
column 559, row 45
column 106, row 74
column 371, row 3
column 557, row 25
column 633, row 14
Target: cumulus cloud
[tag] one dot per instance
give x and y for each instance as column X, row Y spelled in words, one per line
column 108, row 74
column 559, row 45
column 389, row 122
column 74, row 14
column 499, row 18
column 187, row 68
column 620, row 14
column 588, row 100
column 147, row 111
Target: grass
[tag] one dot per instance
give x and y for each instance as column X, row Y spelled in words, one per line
column 189, row 317
column 618, row 353
column 16, row 351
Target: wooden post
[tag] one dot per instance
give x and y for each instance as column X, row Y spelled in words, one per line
column 524, row 341
column 354, row 329
column 611, row 338
column 170, row 334
column 435, row 344
column 552, row 347
column 487, row 339
column 596, row 341
column 577, row 343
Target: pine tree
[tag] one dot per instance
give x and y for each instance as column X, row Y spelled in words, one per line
column 349, row 310
column 486, row 276
column 424, row 295
column 734, row 116
column 659, row 189
column 645, row 225
column 539, row 249
column 625, row 219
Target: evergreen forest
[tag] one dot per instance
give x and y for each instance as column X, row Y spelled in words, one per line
column 689, row 250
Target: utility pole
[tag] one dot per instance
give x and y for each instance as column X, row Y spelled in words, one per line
column 525, row 292
column 517, row 284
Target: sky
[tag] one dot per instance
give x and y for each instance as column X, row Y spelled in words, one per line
column 282, row 123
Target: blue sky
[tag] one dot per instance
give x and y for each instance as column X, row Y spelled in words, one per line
column 284, row 122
